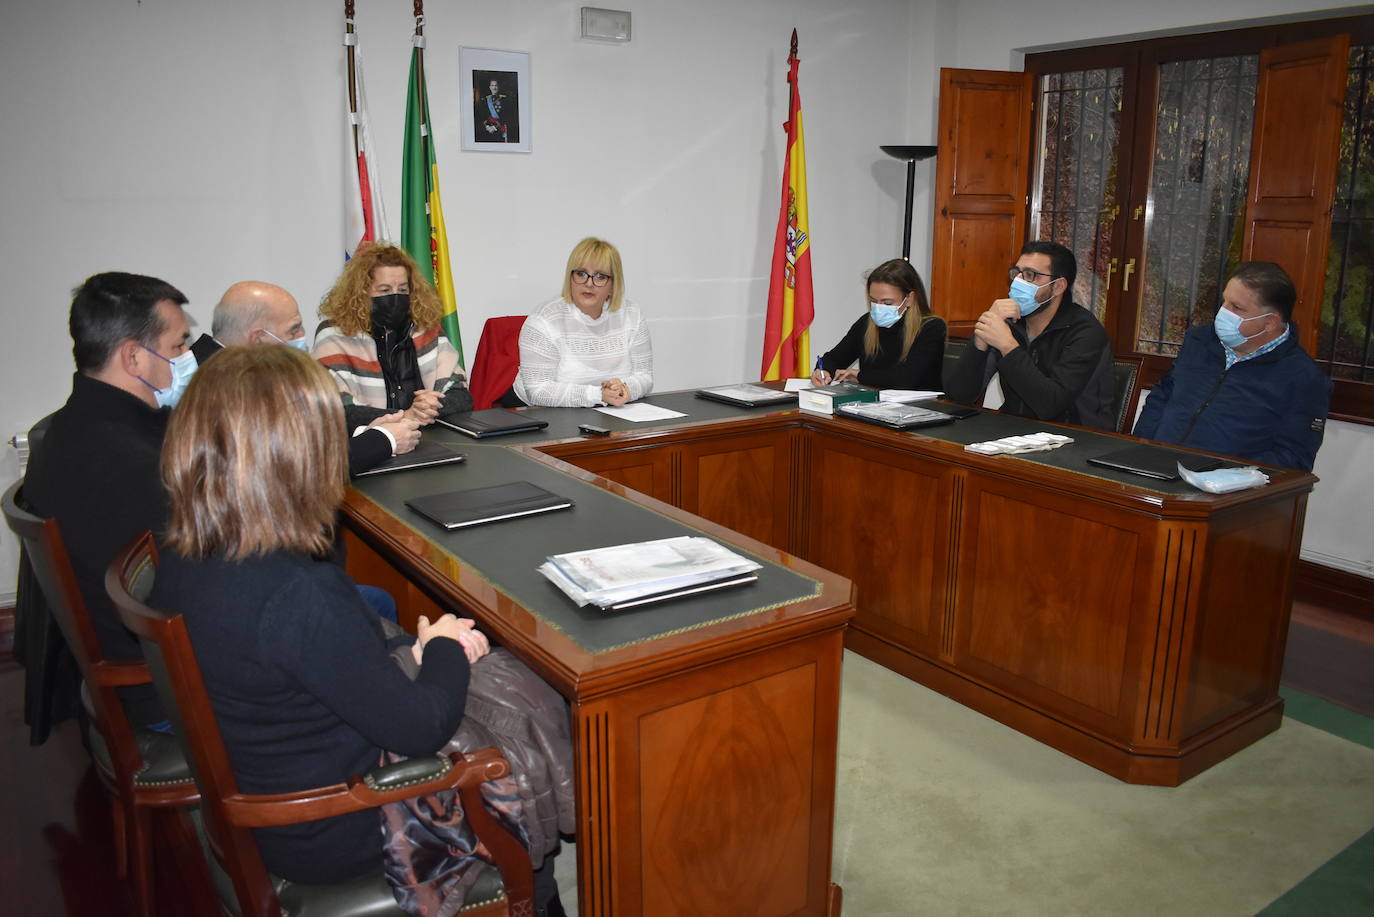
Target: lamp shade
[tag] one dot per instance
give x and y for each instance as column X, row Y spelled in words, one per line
column 908, row 153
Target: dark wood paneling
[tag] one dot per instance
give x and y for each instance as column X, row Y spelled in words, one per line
column 366, row 566
column 1055, row 631
column 1299, row 104
column 1335, row 589
column 649, row 471
column 981, row 175
column 761, row 733
column 748, row 741
column 1237, row 650
column 742, row 482
column 883, row 518
column 1093, row 616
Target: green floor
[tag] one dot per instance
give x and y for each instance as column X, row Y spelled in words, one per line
column 1343, row 884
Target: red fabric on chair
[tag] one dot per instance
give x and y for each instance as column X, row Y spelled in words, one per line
column 497, row 360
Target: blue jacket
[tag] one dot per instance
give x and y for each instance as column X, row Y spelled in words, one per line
column 1270, row 409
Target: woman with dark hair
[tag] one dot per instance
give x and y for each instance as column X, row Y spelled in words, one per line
column 381, row 339
column 898, row 344
column 300, row 676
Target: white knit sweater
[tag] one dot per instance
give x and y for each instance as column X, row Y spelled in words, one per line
column 565, row 356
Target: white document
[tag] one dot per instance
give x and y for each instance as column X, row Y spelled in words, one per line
column 796, row 385
column 906, row 396
column 623, row 573
column 639, row 412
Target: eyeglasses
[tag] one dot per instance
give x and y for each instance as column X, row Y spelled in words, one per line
column 597, row 280
column 1025, row 274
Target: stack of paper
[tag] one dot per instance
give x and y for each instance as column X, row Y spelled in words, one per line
column 625, row 575
column 1013, row 445
column 907, row 396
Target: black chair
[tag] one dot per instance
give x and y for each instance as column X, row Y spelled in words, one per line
column 144, row 770
column 1126, row 376
column 954, row 349
column 245, row 887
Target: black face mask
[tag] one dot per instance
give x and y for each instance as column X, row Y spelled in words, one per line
column 391, row 312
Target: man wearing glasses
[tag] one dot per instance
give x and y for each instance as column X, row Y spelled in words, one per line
column 1051, row 355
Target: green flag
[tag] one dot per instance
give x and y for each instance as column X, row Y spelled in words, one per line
column 422, row 214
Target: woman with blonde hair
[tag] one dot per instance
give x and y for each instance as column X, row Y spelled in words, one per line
column 590, row 345
column 381, row 338
column 300, row 678
column 898, row 343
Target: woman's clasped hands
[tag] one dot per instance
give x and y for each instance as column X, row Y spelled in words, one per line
column 464, row 630
column 615, row 392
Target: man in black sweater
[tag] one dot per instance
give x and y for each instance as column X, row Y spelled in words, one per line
column 252, row 313
column 1052, row 356
column 96, row 469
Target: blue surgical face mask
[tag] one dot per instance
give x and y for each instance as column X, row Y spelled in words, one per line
column 1024, row 293
column 1227, row 325
column 184, row 366
column 299, row 343
column 885, row 316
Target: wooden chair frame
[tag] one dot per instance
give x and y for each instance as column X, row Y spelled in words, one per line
column 229, row 815
column 131, row 802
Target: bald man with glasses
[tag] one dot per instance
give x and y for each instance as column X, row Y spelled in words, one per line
column 1052, row 356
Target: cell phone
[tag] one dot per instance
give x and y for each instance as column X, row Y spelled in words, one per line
column 592, row 430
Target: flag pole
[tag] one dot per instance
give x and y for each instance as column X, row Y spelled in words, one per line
column 420, row 56
column 351, row 43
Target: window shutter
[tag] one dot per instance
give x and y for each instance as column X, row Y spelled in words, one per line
column 981, row 178
column 1299, row 104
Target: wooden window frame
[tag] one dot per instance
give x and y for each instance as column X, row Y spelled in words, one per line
column 1350, row 401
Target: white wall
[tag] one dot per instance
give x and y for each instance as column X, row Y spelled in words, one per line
column 990, row 34
column 199, row 141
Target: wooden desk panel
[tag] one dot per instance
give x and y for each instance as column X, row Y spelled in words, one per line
column 705, row 757
column 742, row 481
column 884, row 518
column 1139, row 630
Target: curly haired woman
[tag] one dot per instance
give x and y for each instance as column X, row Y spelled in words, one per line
column 381, row 339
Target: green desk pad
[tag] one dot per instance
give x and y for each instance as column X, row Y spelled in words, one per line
column 988, row 425
column 506, row 553
column 1069, row 457
column 562, row 422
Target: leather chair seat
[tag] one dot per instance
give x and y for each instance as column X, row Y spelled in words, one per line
column 368, row 897
column 163, row 761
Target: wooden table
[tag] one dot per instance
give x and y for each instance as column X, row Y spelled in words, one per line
column 704, row 730
column 1138, row 627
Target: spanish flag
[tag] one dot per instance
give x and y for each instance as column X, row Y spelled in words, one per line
column 422, row 215
column 791, row 305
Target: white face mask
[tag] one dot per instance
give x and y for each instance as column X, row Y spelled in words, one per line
column 1228, row 325
column 184, row 366
column 299, row 343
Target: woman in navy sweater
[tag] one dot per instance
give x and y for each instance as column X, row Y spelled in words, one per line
column 898, row 343
column 294, row 660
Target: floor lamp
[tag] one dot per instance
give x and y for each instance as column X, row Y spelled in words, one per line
column 911, row 155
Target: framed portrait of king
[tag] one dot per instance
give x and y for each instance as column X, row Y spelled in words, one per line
column 496, row 110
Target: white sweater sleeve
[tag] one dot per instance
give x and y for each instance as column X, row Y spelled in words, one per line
column 641, row 377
